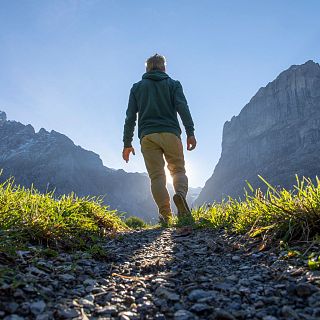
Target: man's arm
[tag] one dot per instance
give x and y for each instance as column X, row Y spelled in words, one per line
column 130, row 122
column 129, row 125
column 181, row 105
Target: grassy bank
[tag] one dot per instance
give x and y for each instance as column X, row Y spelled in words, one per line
column 69, row 222
column 283, row 214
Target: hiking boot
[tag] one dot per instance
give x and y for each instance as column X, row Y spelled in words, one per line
column 182, row 206
column 165, row 220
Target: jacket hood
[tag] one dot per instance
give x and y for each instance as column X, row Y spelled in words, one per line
column 155, row 75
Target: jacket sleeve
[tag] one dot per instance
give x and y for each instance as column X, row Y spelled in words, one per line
column 130, row 122
column 181, row 105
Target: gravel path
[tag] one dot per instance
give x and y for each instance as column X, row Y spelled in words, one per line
column 157, row 274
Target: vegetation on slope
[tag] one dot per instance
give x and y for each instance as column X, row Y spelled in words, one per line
column 135, row 223
column 69, row 222
column 289, row 215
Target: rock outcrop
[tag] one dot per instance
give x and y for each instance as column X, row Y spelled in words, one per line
column 51, row 161
column 276, row 135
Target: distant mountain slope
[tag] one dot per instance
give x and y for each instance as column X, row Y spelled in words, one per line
column 50, row 160
column 276, row 135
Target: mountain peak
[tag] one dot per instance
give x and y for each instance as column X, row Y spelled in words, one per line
column 309, row 69
column 308, row 63
column 276, row 135
column 3, row 117
column 308, row 66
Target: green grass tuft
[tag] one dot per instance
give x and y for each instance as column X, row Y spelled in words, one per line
column 184, row 220
column 314, row 261
column 135, row 223
column 283, row 214
column 69, row 222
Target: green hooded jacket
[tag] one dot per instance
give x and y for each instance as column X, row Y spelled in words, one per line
column 157, row 99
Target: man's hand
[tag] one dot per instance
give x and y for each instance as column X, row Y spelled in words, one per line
column 191, row 143
column 126, row 153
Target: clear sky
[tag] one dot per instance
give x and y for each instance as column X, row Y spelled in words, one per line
column 69, row 65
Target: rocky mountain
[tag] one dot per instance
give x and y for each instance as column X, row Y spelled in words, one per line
column 51, row 161
column 276, row 135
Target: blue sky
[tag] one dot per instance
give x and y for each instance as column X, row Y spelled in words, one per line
column 69, row 65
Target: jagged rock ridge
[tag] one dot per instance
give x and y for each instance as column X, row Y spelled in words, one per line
column 51, row 161
column 276, row 135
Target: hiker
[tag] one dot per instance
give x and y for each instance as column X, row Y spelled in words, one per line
column 157, row 99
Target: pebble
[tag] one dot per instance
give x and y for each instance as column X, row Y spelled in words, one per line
column 13, row 317
column 223, row 315
column 305, row 289
column 269, row 318
column 89, row 282
column 232, row 278
column 235, row 258
column 37, row 307
column 198, row 294
column 68, row 313
column 184, row 315
column 12, row 307
column 44, row 316
column 289, row 313
column 200, row 308
column 108, row 310
column 67, row 277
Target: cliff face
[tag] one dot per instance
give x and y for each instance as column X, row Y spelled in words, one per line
column 51, row 161
column 276, row 135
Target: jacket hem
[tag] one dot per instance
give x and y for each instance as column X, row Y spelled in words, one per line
column 153, row 130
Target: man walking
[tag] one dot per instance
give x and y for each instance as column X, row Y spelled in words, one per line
column 158, row 99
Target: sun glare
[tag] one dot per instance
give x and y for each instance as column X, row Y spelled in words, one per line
column 168, row 175
column 169, row 178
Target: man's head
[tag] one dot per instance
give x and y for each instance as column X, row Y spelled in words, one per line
column 156, row 62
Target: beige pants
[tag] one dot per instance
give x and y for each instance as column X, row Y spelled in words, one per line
column 153, row 147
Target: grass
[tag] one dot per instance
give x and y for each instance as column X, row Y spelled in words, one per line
column 281, row 214
column 314, row 261
column 69, row 222
column 135, row 223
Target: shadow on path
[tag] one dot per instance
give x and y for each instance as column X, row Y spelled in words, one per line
column 213, row 275
column 210, row 275
column 154, row 274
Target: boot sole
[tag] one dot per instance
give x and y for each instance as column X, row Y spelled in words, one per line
column 181, row 204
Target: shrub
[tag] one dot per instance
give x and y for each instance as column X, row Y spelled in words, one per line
column 135, row 223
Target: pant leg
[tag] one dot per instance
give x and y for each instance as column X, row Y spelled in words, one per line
column 153, row 158
column 173, row 152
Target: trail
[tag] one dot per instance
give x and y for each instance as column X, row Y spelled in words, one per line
column 153, row 274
